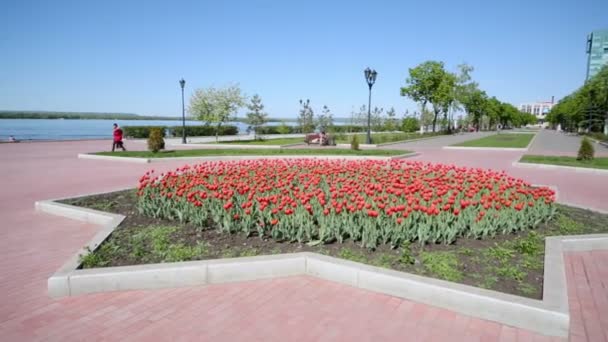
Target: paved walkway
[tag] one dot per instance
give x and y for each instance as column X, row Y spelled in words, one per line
column 553, row 143
column 34, row 245
column 439, row 142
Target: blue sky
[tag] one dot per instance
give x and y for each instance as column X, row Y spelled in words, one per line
column 127, row 56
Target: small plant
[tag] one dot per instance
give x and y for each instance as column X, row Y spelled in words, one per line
column 354, row 143
column 527, row 289
column 406, row 254
column 155, row 140
column 348, row 254
column 499, row 253
column 586, row 151
column 511, row 272
column 444, row 265
column 384, row 260
column 568, row 226
column 531, row 245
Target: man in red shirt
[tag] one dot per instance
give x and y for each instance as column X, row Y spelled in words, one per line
column 117, row 138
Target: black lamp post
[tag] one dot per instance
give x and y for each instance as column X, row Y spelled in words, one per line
column 182, row 83
column 370, row 78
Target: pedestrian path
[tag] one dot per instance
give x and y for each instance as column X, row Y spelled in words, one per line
column 553, row 143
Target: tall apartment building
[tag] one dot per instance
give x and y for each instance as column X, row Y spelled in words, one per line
column 597, row 49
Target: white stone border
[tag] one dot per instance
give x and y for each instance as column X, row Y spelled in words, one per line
column 531, row 165
column 365, row 146
column 242, row 146
column 470, row 148
column 549, row 316
column 250, row 157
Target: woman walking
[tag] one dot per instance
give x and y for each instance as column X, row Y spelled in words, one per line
column 117, row 138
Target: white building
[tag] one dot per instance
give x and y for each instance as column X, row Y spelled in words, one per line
column 538, row 109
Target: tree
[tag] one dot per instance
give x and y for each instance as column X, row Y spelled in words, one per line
column 443, row 98
column 391, row 123
column 475, row 105
column 256, row 116
column 423, row 85
column 216, row 106
column 376, row 119
column 306, row 117
column 325, row 121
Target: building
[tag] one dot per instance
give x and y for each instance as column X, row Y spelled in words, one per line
column 539, row 109
column 597, row 49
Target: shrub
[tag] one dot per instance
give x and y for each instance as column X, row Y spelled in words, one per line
column 585, row 152
column 203, row 131
column 284, row 129
column 354, row 143
column 410, row 125
column 141, row 132
column 155, row 140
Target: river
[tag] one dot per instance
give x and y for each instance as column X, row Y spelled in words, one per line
column 60, row 129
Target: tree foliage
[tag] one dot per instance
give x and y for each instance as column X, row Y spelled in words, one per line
column 426, row 84
column 216, row 106
column 391, row 123
column 586, row 107
column 325, row 120
column 256, row 116
column 306, row 117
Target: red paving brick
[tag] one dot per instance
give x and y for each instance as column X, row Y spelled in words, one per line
column 34, row 245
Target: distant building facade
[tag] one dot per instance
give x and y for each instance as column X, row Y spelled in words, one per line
column 597, row 49
column 538, row 109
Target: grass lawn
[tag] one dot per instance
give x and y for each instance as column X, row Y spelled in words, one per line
column 512, row 140
column 512, row 263
column 597, row 163
column 381, row 138
column 279, row 141
column 251, row 152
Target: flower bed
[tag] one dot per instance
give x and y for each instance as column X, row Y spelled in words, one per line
column 372, row 202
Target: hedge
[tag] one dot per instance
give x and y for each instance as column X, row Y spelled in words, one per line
column 298, row 129
column 141, row 132
column 203, row 131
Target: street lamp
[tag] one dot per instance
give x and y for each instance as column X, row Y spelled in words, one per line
column 182, row 83
column 370, row 78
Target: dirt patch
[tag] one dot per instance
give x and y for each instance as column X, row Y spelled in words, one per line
column 507, row 263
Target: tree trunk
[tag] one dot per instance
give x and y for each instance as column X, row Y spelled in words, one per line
column 217, row 133
column 435, row 119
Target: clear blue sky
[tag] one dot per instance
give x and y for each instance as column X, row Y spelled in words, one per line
column 127, row 56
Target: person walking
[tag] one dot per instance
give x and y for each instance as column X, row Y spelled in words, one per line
column 117, row 142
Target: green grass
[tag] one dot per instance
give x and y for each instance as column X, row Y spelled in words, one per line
column 278, row 141
column 251, row 152
column 512, row 140
column 597, row 163
column 381, row 138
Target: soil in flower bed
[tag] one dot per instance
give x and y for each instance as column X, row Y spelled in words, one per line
column 510, row 263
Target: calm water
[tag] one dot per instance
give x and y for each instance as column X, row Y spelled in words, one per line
column 55, row 129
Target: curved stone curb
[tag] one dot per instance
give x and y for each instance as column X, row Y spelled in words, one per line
column 558, row 167
column 222, row 158
column 122, row 159
column 549, row 316
column 231, row 146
